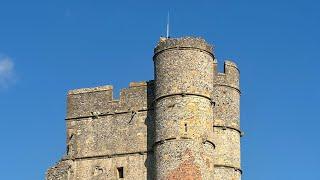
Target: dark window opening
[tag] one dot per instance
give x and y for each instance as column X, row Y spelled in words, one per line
column 185, row 127
column 120, row 172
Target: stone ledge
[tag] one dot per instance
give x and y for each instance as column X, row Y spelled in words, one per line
column 88, row 90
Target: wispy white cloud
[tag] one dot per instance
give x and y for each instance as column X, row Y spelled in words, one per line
column 7, row 76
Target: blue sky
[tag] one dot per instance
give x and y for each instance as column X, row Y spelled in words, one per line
column 49, row 47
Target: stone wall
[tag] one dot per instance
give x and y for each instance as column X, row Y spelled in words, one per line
column 104, row 134
column 226, row 120
column 183, row 109
column 183, row 125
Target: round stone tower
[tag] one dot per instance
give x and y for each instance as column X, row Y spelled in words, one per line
column 184, row 71
column 226, row 116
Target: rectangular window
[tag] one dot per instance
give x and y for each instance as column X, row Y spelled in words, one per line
column 120, row 172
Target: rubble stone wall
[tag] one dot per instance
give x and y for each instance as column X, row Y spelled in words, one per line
column 226, row 116
column 185, row 124
column 183, row 109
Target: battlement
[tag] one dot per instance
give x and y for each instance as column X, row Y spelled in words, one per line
column 95, row 101
column 230, row 75
column 184, row 124
column 183, row 43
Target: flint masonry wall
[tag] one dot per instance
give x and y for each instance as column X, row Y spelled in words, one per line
column 105, row 134
column 226, row 116
column 183, row 125
column 183, row 109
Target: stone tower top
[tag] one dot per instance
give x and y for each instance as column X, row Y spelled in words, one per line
column 183, row 43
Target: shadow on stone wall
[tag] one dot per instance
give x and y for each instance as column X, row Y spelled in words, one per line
column 149, row 121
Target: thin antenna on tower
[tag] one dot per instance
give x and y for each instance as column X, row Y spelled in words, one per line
column 168, row 24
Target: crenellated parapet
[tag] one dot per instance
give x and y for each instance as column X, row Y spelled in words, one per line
column 98, row 125
column 229, row 77
column 226, row 95
column 87, row 102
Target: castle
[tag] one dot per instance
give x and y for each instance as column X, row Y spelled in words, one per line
column 183, row 125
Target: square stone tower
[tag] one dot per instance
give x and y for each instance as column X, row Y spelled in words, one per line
column 184, row 124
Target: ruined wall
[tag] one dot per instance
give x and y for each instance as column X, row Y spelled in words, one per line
column 105, row 134
column 226, row 94
column 183, row 109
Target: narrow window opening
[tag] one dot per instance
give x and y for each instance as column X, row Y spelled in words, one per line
column 185, row 127
column 120, row 172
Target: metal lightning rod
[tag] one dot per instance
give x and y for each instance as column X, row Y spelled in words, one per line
column 168, row 24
